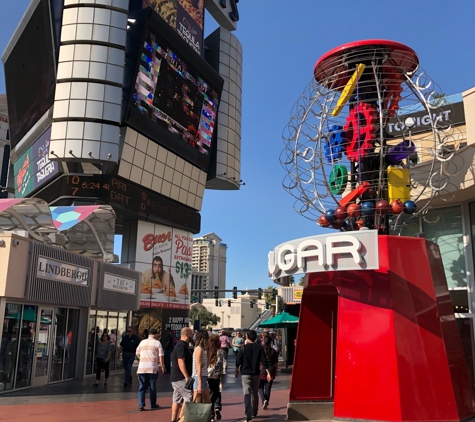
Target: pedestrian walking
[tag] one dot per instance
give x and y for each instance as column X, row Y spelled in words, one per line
column 128, row 347
column 103, row 355
column 248, row 361
column 237, row 343
column 269, row 368
column 215, row 375
column 150, row 353
column 225, row 345
column 181, row 370
column 200, row 367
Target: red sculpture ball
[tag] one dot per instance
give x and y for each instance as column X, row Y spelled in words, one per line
column 341, row 213
column 383, row 207
column 338, row 224
column 397, row 206
column 354, row 210
column 322, row 221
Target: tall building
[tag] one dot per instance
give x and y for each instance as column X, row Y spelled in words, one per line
column 4, row 146
column 209, row 265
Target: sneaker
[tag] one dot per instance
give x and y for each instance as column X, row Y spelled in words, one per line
column 265, row 404
column 155, row 406
column 141, row 409
column 218, row 415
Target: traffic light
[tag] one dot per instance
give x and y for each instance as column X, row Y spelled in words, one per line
column 216, row 302
column 234, row 292
column 267, row 305
column 215, row 294
column 251, row 303
column 229, row 303
column 274, row 293
column 259, row 293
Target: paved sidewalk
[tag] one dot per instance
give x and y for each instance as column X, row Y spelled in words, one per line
column 78, row 400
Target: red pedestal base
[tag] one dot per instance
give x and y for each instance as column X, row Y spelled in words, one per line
column 383, row 345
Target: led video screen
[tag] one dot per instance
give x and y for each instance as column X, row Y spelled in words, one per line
column 30, row 74
column 174, row 99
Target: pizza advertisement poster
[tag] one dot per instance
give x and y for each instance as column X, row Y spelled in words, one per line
column 163, row 256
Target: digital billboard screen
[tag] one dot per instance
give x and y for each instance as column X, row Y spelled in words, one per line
column 186, row 17
column 175, row 96
column 34, row 168
column 30, row 74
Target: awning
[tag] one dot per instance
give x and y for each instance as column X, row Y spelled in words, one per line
column 281, row 320
column 86, row 230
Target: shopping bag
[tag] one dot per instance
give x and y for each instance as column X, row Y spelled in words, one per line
column 196, row 411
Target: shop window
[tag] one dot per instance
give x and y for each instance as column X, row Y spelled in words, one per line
column 465, row 326
column 91, row 342
column 59, row 345
column 27, row 346
column 444, row 227
column 9, row 345
column 72, row 344
column 112, row 325
column 121, row 331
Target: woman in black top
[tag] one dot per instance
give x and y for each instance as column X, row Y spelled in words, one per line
column 269, row 367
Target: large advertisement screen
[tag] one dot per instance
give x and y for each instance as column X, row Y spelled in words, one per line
column 30, row 74
column 174, row 100
column 185, row 16
column 164, row 256
column 34, row 168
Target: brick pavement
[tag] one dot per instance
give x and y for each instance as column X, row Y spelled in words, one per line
column 77, row 400
column 126, row 410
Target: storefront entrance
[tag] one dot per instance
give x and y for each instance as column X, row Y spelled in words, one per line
column 55, row 346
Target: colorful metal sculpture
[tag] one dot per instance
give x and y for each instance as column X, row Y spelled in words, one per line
column 355, row 117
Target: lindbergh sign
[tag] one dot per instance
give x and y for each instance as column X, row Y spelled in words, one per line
column 61, row 271
column 334, row 252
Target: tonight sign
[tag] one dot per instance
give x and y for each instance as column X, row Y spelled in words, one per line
column 449, row 114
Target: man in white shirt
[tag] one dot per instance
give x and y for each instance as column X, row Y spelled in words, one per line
column 150, row 353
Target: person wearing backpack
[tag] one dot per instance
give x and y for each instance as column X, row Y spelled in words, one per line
column 269, row 367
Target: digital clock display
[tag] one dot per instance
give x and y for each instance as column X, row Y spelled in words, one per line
column 132, row 199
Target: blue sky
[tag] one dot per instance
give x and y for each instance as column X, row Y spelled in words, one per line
column 281, row 41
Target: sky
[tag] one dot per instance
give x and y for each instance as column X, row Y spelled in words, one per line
column 281, row 42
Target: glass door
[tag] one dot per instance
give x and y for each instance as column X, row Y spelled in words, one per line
column 59, row 345
column 43, row 347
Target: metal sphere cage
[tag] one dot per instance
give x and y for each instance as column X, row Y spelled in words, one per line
column 369, row 141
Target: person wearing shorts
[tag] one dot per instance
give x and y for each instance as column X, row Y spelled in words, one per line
column 181, row 366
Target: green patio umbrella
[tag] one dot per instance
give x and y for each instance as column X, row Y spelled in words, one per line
column 281, row 320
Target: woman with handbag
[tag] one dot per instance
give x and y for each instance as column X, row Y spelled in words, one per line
column 200, row 367
column 103, row 355
column 215, row 374
column 269, row 367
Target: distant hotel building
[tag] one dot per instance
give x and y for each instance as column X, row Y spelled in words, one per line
column 209, row 265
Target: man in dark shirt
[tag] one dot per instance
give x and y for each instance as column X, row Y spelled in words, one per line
column 181, row 366
column 128, row 346
column 168, row 347
column 248, row 361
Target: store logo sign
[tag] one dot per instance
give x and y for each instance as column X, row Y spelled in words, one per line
column 61, row 271
column 119, row 284
column 336, row 252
